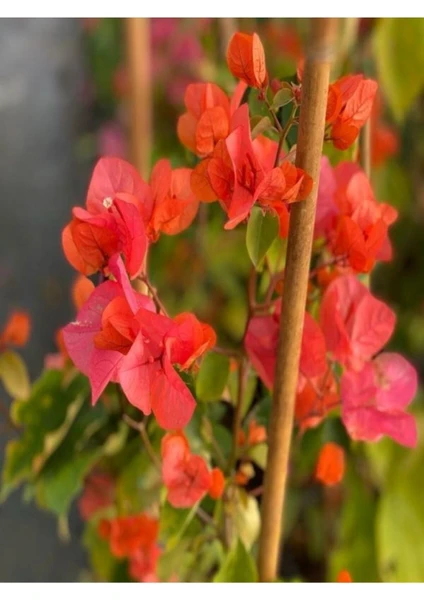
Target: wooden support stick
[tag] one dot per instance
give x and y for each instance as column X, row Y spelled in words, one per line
column 140, row 88
column 302, row 218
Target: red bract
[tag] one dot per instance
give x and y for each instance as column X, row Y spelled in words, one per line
column 186, row 475
column 384, row 141
column 99, row 491
column 174, row 204
column 374, row 400
column 350, row 101
column 331, row 464
column 119, row 205
column 315, row 398
column 143, row 563
column 344, row 577
column 208, row 115
column 119, row 337
column 243, row 172
column 127, row 535
column 355, row 324
column 261, row 345
column 246, row 59
column 354, row 224
column 16, row 330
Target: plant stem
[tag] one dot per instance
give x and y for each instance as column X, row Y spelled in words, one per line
column 365, row 148
column 302, row 217
column 140, row 426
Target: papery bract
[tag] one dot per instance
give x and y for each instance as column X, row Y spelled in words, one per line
column 374, row 400
column 330, row 465
column 246, row 59
column 16, row 330
column 127, row 535
column 99, row 492
column 261, row 345
column 119, row 337
column 174, row 204
column 185, row 475
column 355, row 324
column 119, row 204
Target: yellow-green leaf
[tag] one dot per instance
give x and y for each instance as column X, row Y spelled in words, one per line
column 399, row 53
column 14, row 374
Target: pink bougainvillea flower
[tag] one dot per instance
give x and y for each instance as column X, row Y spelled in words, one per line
column 331, row 464
column 119, row 337
column 186, row 475
column 119, row 206
column 261, row 345
column 99, row 492
column 374, row 400
column 174, row 204
column 355, row 324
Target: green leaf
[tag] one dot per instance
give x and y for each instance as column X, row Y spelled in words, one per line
column 258, row 453
column 212, row 377
column 238, row 566
column 14, row 374
column 263, row 125
column 45, row 418
column 62, row 476
column 400, row 510
column 282, row 97
column 262, row 229
column 355, row 549
column 399, row 52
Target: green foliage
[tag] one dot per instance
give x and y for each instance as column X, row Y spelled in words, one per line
column 399, row 53
column 14, row 375
column 212, row 377
column 262, row 229
column 238, row 566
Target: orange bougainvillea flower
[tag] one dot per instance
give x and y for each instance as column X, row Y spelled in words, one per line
column 350, row 218
column 187, row 475
column 344, row 577
column 315, row 398
column 246, row 59
column 256, row 434
column 331, row 464
column 174, row 204
column 349, row 106
column 17, row 329
column 81, row 291
column 217, row 485
column 127, row 534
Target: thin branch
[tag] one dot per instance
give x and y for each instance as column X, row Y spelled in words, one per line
column 153, row 292
column 140, row 426
column 302, row 216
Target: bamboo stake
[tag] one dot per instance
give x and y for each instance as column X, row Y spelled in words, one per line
column 140, row 93
column 302, row 217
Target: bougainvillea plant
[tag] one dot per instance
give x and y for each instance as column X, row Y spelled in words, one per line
column 159, row 429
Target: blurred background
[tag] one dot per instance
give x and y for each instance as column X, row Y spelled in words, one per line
column 71, row 91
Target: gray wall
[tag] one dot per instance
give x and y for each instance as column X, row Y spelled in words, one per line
column 41, row 82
